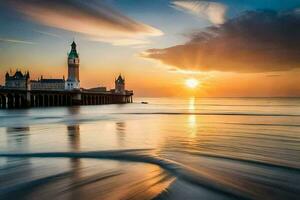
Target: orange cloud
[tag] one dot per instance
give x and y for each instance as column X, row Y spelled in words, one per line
column 255, row 41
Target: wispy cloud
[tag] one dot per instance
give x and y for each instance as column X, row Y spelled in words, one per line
column 92, row 18
column 182, row 71
column 16, row 41
column 273, row 75
column 213, row 11
column 121, row 41
column 47, row 33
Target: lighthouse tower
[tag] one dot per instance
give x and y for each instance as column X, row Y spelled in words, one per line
column 73, row 82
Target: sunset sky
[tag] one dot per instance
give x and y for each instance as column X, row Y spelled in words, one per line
column 232, row 47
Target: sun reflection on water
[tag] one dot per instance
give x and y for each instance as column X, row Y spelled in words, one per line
column 191, row 104
column 192, row 120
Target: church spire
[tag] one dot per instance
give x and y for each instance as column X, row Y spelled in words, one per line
column 73, row 45
column 73, row 53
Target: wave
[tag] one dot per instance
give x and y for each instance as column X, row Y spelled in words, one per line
column 251, row 105
column 263, row 124
column 244, row 160
column 17, row 191
column 8, row 191
column 233, row 105
column 180, row 171
column 212, row 114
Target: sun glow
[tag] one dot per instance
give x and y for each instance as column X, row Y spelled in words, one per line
column 191, row 83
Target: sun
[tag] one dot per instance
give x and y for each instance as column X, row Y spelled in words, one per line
column 192, row 83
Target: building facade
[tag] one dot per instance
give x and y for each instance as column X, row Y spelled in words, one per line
column 18, row 80
column 48, row 84
column 73, row 82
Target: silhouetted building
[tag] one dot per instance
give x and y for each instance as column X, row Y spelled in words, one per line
column 120, row 85
column 73, row 82
column 22, row 81
column 96, row 89
column 17, row 81
column 20, row 92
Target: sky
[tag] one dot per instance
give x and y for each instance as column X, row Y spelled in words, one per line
column 234, row 48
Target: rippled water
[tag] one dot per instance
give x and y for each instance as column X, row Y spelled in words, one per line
column 218, row 148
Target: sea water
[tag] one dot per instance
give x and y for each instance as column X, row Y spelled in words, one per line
column 170, row 148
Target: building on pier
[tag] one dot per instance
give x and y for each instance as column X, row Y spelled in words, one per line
column 18, row 80
column 96, row 89
column 73, row 82
column 48, row 84
column 120, row 85
column 19, row 91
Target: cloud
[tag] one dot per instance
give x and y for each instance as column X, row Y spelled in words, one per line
column 254, row 41
column 121, row 42
column 273, row 75
column 15, row 41
column 181, row 71
column 92, row 18
column 47, row 33
column 213, row 11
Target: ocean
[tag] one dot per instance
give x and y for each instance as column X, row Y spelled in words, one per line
column 170, row 148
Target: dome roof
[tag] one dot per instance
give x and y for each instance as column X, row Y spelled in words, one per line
column 73, row 53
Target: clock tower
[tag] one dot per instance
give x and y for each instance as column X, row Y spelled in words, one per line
column 73, row 82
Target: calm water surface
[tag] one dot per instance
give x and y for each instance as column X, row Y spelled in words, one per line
column 218, row 148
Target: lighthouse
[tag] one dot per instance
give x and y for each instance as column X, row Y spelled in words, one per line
column 73, row 82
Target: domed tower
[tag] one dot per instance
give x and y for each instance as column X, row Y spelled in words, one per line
column 73, row 82
column 120, row 85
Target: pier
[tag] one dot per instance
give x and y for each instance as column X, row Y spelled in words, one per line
column 14, row 98
column 20, row 91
